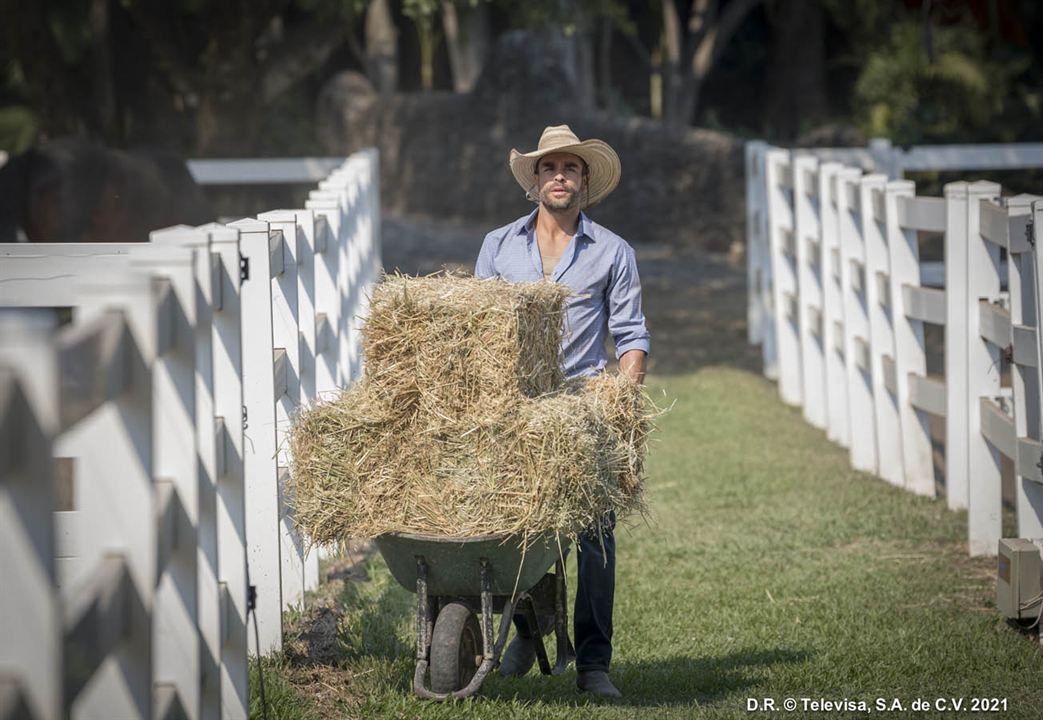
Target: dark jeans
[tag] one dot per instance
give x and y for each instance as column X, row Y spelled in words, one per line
column 595, row 590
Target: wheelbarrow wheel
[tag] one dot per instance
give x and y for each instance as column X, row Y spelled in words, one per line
column 456, row 648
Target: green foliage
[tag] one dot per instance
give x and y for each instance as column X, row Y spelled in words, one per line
column 18, row 128
column 912, row 98
column 420, row 9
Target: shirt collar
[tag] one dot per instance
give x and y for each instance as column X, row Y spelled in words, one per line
column 583, row 229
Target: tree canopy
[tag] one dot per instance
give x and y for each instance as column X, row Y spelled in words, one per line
column 227, row 77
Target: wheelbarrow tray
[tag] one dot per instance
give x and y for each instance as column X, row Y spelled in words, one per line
column 454, row 564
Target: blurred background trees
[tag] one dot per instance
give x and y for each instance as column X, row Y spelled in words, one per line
column 241, row 77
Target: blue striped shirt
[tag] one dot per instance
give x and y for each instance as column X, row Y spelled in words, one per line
column 600, row 269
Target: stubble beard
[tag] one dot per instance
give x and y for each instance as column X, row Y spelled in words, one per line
column 557, row 204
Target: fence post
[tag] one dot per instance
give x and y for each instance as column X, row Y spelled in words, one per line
column 1031, row 495
column 289, row 323
column 832, row 306
column 1025, row 372
column 327, row 322
column 109, row 434
column 785, row 292
column 956, row 340
column 177, row 660
column 305, row 245
column 348, row 185
column 375, row 246
column 754, row 241
column 879, row 309
column 204, row 262
column 984, row 498
column 231, row 509
column 259, row 432
column 910, row 356
column 766, row 284
column 30, row 613
column 285, row 335
column 857, row 339
column 808, row 239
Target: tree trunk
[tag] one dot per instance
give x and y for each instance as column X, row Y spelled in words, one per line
column 580, row 50
column 655, row 81
column 796, row 79
column 425, row 29
column 672, row 41
column 381, row 47
column 608, row 97
column 104, row 97
column 709, row 31
column 467, row 36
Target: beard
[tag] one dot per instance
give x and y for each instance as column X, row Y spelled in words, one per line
column 559, row 203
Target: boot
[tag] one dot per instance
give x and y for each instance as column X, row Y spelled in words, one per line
column 597, row 682
column 519, row 657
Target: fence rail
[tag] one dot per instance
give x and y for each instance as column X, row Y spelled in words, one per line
column 144, row 464
column 839, row 299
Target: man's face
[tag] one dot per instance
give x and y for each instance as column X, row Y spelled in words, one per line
column 559, row 177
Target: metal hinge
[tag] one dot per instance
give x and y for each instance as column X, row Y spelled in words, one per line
column 1030, row 236
column 1008, row 354
column 244, row 268
column 245, row 423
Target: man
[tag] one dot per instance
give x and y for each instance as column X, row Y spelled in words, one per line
column 558, row 242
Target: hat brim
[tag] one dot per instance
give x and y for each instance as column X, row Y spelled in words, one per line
column 602, row 161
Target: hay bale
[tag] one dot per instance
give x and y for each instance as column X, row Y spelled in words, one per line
column 446, row 346
column 461, row 425
column 555, row 463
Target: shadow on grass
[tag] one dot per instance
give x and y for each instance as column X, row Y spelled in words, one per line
column 678, row 680
column 372, row 627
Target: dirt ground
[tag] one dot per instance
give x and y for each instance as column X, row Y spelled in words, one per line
column 694, row 301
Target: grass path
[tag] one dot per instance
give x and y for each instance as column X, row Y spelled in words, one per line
column 768, row 569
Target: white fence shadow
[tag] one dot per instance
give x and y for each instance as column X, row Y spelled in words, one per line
column 838, row 301
column 144, row 456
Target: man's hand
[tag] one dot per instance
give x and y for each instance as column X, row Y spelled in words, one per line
column 633, row 364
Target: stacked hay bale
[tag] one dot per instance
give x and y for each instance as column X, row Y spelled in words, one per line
column 462, row 424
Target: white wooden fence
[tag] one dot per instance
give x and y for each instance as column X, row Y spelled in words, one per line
column 143, row 460
column 838, row 302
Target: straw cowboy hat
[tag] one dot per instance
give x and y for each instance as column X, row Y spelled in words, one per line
column 601, row 159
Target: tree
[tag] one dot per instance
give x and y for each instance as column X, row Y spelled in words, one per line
column 198, row 74
column 229, row 59
column 468, row 37
column 422, row 13
column 910, row 97
column 381, row 47
column 692, row 47
column 795, row 87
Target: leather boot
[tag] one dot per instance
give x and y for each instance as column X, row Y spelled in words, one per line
column 597, row 682
column 519, row 657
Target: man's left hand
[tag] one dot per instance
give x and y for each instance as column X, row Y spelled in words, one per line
column 633, row 364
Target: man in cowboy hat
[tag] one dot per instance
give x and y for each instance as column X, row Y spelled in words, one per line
column 557, row 241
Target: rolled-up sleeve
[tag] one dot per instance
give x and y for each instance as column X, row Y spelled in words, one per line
column 626, row 321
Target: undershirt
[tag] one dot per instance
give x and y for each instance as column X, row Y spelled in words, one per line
column 549, row 263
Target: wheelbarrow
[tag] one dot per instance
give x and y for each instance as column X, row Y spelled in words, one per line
column 459, row 580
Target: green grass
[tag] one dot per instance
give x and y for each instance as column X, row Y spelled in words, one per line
column 768, row 568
